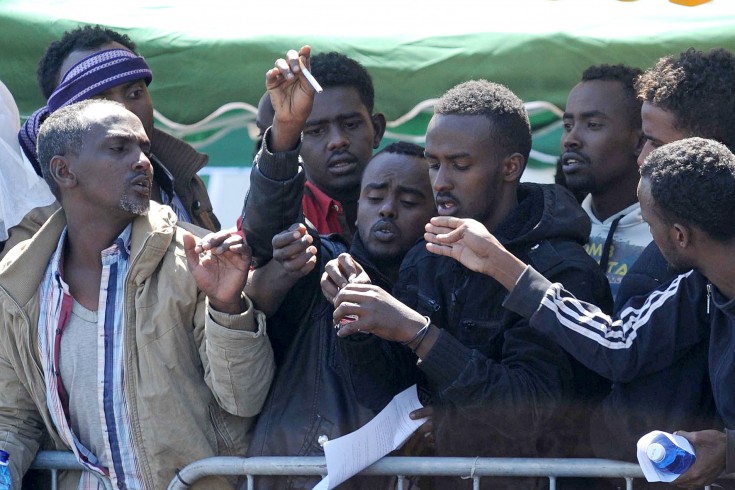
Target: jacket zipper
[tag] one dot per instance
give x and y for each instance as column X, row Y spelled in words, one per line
column 709, row 295
column 454, row 296
column 433, row 305
column 138, row 447
column 216, row 419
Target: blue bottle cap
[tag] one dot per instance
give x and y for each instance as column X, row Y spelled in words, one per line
column 4, row 456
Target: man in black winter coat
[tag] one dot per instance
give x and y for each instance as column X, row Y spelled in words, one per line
column 325, row 386
column 499, row 388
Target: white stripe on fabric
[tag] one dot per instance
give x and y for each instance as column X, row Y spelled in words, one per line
column 82, row 94
column 110, row 57
column 589, row 321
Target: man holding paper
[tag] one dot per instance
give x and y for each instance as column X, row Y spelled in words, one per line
column 326, row 386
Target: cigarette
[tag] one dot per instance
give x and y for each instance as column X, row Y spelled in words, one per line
column 311, row 78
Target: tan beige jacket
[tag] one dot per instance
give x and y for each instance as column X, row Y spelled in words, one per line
column 30, row 224
column 193, row 385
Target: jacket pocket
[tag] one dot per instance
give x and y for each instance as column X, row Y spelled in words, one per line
column 319, row 433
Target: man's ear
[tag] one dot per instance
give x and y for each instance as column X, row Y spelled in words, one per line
column 640, row 143
column 379, row 125
column 61, row 173
column 513, row 167
column 681, row 235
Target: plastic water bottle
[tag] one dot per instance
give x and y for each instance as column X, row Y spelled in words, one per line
column 667, row 456
column 5, row 483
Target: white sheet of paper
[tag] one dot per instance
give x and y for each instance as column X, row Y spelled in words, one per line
column 352, row 453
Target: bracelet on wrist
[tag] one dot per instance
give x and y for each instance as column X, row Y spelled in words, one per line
column 421, row 333
column 418, row 344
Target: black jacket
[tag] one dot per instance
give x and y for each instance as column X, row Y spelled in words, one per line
column 496, row 383
column 676, row 397
column 325, row 386
column 648, row 334
column 273, row 201
column 650, row 271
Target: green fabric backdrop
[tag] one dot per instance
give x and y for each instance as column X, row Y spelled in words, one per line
column 205, row 54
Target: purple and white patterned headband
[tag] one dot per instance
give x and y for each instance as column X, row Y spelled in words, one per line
column 91, row 76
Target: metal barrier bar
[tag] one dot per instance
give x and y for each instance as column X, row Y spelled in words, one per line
column 63, row 460
column 401, row 467
column 411, row 466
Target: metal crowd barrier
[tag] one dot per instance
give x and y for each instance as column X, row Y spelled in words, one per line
column 63, row 460
column 403, row 467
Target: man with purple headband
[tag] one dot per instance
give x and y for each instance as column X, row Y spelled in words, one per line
column 95, row 62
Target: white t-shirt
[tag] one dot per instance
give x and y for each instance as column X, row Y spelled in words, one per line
column 78, row 364
column 630, row 236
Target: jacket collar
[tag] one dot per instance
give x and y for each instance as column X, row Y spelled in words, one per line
column 151, row 237
column 360, row 253
column 544, row 211
column 179, row 157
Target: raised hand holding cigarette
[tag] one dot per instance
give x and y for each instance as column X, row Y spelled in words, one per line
column 292, row 89
column 312, row 81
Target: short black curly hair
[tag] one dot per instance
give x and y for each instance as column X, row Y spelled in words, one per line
column 85, row 37
column 338, row 70
column 510, row 127
column 403, row 148
column 698, row 88
column 627, row 76
column 693, row 181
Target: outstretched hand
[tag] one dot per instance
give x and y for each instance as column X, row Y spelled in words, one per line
column 465, row 240
column 292, row 97
column 293, row 249
column 217, row 242
column 471, row 244
column 220, row 271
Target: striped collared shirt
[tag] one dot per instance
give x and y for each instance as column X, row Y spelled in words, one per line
column 55, row 310
column 169, row 197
